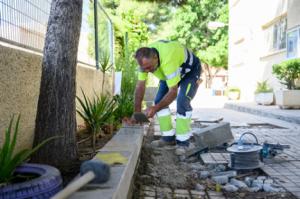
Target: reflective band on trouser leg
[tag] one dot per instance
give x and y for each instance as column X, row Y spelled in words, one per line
column 189, row 116
column 165, row 122
column 183, row 127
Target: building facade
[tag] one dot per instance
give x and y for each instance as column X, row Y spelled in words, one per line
column 261, row 34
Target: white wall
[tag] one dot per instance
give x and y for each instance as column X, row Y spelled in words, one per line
column 250, row 38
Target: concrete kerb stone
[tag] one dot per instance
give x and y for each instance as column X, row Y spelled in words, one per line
column 211, row 136
column 128, row 142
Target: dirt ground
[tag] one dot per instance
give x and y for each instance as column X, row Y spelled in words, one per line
column 85, row 152
column 162, row 170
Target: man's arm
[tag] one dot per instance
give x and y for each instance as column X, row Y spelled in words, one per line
column 139, row 95
column 167, row 99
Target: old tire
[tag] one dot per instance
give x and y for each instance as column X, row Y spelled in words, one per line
column 46, row 185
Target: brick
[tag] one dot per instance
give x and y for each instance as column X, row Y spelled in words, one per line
column 215, row 193
column 149, row 193
column 148, row 188
column 200, row 193
column 181, row 191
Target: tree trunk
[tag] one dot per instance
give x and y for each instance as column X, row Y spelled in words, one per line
column 207, row 72
column 56, row 114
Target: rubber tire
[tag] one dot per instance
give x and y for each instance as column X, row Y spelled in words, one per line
column 45, row 186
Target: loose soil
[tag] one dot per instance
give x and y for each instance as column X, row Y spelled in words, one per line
column 161, row 169
column 85, row 151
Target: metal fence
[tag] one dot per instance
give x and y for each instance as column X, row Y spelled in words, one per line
column 24, row 23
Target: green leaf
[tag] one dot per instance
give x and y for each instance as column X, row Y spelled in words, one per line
column 8, row 160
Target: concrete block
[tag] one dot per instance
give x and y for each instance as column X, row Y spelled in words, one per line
column 220, row 179
column 226, row 173
column 199, row 187
column 197, row 193
column 238, row 183
column 230, row 188
column 181, row 193
column 204, row 174
column 212, row 136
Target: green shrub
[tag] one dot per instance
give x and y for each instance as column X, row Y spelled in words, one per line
column 288, row 71
column 125, row 106
column 96, row 112
column 234, row 89
column 10, row 160
column 262, row 87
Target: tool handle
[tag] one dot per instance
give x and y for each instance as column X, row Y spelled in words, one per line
column 74, row 186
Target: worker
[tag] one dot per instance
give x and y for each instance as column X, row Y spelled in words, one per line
column 178, row 70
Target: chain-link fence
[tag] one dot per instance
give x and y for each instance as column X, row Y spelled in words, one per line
column 24, row 23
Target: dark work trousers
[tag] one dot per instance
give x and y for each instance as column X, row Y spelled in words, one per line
column 187, row 88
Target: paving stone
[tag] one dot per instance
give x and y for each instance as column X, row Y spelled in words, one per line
column 181, row 191
column 148, row 188
column 166, row 189
column 297, row 194
column 293, row 188
column 215, row 158
column 195, row 192
column 149, row 193
column 215, row 195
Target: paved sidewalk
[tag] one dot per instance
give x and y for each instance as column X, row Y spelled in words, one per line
column 285, row 167
column 289, row 115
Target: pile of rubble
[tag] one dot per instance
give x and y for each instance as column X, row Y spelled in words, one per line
column 235, row 179
column 230, row 180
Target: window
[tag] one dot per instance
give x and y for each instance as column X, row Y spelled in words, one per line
column 293, row 43
column 279, row 34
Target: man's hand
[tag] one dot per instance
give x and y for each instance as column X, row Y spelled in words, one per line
column 150, row 112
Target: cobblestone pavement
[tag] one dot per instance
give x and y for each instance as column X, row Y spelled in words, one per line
column 284, row 167
column 148, row 192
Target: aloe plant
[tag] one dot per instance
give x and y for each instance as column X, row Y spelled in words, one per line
column 104, row 65
column 96, row 112
column 9, row 160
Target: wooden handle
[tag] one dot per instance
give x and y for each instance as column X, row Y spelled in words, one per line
column 74, row 186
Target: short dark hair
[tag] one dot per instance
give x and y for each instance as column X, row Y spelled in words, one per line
column 144, row 52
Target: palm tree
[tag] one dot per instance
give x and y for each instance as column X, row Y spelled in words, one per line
column 56, row 114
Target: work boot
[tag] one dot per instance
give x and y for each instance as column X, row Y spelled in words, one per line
column 164, row 141
column 183, row 147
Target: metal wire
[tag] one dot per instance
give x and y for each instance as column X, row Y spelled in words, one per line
column 248, row 160
column 24, row 23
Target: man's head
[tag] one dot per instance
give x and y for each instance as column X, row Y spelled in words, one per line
column 147, row 58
